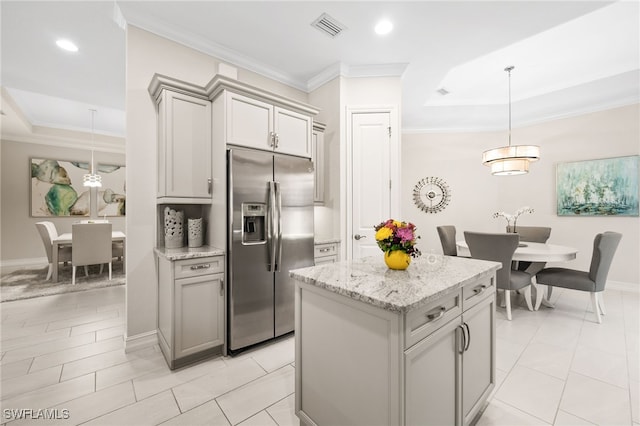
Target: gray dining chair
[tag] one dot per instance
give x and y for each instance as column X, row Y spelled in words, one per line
column 91, row 245
column 533, row 234
column 592, row 281
column 500, row 248
column 447, row 234
column 48, row 233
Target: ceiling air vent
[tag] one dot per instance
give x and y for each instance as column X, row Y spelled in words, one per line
column 328, row 25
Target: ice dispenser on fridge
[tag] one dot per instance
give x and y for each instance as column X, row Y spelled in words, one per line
column 253, row 223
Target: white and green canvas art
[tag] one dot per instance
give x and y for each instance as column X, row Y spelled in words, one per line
column 604, row 187
column 57, row 189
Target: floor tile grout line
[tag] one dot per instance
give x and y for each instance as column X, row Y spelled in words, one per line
column 524, row 412
column 569, row 371
column 77, row 347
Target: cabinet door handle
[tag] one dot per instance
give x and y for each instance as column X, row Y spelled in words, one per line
column 276, row 139
column 438, row 315
column 201, row 266
column 272, row 139
column 221, row 287
column 324, row 250
column 468, row 338
column 463, row 344
column 478, row 290
column 209, row 185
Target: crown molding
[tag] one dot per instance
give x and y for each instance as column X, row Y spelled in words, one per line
column 64, row 142
column 344, row 70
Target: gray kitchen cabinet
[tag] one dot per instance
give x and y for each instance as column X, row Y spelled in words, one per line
column 255, row 123
column 450, row 373
column 184, row 141
column 430, row 365
column 317, row 156
column 190, row 308
column 244, row 115
column 325, row 253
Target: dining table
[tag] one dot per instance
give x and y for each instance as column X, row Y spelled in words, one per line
column 533, row 252
column 66, row 238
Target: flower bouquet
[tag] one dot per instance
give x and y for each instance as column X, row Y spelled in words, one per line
column 512, row 219
column 397, row 240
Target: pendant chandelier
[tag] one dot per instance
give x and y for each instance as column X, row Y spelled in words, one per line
column 510, row 159
column 92, row 179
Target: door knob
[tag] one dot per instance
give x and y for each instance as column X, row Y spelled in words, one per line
column 358, row 236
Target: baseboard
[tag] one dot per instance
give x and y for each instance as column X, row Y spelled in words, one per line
column 14, row 264
column 623, row 286
column 140, row 341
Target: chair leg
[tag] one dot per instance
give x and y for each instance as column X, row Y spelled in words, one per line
column 507, row 302
column 601, row 304
column 86, row 270
column 527, row 297
column 109, row 271
column 101, row 268
column 73, row 276
column 49, row 272
column 596, row 308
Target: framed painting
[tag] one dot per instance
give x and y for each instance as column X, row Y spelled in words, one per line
column 56, row 188
column 112, row 196
column 604, row 187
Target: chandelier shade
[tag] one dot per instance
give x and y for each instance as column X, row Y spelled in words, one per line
column 511, row 159
column 92, row 179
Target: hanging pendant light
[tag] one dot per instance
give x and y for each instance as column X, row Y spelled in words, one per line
column 92, row 179
column 510, row 159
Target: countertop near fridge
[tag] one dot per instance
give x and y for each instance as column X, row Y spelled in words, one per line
column 326, row 240
column 369, row 280
column 183, row 253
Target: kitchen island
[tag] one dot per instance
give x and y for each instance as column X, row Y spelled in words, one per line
column 381, row 347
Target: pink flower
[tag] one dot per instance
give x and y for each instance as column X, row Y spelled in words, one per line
column 405, row 234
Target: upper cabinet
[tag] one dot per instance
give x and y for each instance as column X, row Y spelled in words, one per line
column 317, row 151
column 257, row 119
column 184, row 142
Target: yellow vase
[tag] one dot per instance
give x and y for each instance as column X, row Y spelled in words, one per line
column 397, row 259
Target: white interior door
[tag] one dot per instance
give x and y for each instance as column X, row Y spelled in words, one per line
column 371, row 179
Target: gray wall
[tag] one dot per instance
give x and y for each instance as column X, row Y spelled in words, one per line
column 21, row 243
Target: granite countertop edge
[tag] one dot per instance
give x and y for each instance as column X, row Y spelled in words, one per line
column 183, row 253
column 325, row 240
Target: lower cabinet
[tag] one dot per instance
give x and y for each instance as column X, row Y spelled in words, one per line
column 450, row 373
column 325, row 253
column 190, row 308
column 432, row 366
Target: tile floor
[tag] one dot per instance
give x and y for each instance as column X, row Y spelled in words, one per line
column 554, row 366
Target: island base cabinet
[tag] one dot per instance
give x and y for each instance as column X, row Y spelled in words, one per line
column 347, row 369
column 355, row 364
column 479, row 357
column 432, row 366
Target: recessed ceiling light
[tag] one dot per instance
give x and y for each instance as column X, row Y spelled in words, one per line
column 67, row 45
column 383, row 27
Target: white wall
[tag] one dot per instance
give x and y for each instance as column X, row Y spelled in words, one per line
column 476, row 194
column 327, row 99
column 148, row 54
column 21, row 244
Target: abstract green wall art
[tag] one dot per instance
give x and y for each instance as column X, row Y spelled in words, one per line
column 56, row 188
column 603, row 187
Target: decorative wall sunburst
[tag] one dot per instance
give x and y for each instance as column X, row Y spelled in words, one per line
column 431, row 194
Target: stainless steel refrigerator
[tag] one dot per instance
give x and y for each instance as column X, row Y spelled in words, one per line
column 270, row 225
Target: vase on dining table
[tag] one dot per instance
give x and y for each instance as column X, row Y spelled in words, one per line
column 398, row 260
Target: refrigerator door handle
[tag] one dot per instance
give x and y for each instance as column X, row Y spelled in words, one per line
column 278, row 223
column 271, row 227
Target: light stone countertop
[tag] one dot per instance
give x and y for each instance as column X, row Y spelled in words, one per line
column 368, row 280
column 185, row 252
column 326, row 240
